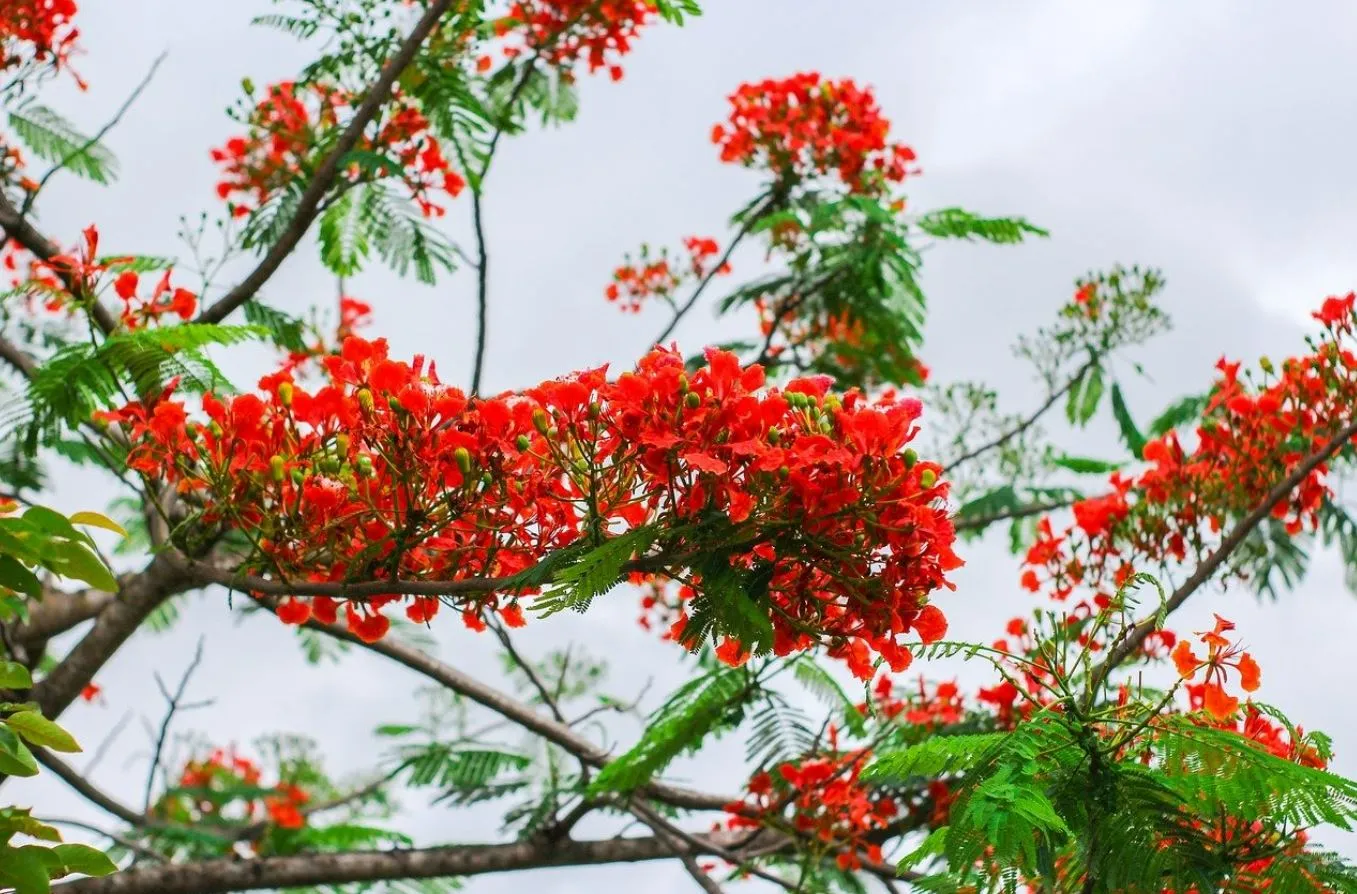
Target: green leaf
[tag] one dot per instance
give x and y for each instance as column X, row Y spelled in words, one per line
column 52, row 138
column 25, row 869
column 14, row 676
column 40, row 731
column 933, row 757
column 1181, row 412
column 285, row 331
column 593, row 573
column 85, row 860
column 1130, row 434
column 74, row 560
column 15, row 576
column 1084, row 465
column 98, row 520
column 957, row 223
column 15, row 758
column 1084, row 397
column 692, row 713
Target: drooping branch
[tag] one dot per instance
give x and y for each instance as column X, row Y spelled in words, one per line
column 309, row 205
column 520, row 713
column 1135, row 636
column 226, row 875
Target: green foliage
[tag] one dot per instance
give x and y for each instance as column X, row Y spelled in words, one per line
column 1130, row 434
column 1085, row 395
column 285, row 331
column 1178, row 414
column 1083, row 465
column 957, row 223
column 822, row 684
column 779, row 731
column 699, row 708
column 52, row 138
column 593, row 573
column 83, row 378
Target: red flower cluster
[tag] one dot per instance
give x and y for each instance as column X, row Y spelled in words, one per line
column 82, row 269
column 222, row 789
column 164, row 299
column 1220, row 655
column 287, row 125
column 387, row 473
column 805, row 126
column 37, row 31
column 829, row 806
column 941, row 707
column 563, row 32
column 634, row 282
column 1251, row 438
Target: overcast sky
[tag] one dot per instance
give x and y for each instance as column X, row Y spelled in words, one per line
column 1211, row 139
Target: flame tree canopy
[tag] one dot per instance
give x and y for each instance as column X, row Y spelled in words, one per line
column 786, row 511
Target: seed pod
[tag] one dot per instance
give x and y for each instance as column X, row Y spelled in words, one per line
column 463, row 458
column 276, row 467
column 285, row 394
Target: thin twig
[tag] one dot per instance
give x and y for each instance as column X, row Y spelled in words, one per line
column 688, row 305
column 96, row 139
column 175, row 703
column 1026, row 423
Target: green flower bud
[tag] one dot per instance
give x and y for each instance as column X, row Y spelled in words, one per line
column 928, row 478
column 342, row 443
column 540, row 420
column 463, row 458
column 524, row 442
column 364, row 467
column 911, row 457
column 285, row 394
column 365, row 400
column 276, row 467
column 692, row 400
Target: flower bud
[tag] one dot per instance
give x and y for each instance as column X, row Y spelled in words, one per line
column 595, row 410
column 826, row 426
column 393, row 403
column 928, row 478
column 330, row 465
column 342, row 443
column 692, row 400
column 911, row 457
column 298, row 476
column 364, row 466
column 285, row 394
column 774, row 436
column 365, row 400
column 1266, row 364
column 540, row 420
column 784, row 472
column 683, row 384
column 276, row 468
column 524, row 442
column 463, row 458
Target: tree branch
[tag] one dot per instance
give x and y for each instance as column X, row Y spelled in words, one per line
column 309, row 206
column 227, row 875
column 520, row 713
column 1132, row 642
column 1026, row 423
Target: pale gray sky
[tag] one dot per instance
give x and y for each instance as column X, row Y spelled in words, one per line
column 1212, row 139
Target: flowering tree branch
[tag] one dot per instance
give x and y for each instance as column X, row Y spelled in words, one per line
column 1135, row 636
column 309, row 205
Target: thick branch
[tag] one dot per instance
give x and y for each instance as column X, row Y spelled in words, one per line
column 226, row 875
column 309, row 206
column 1132, row 642
column 59, row 611
column 140, row 595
